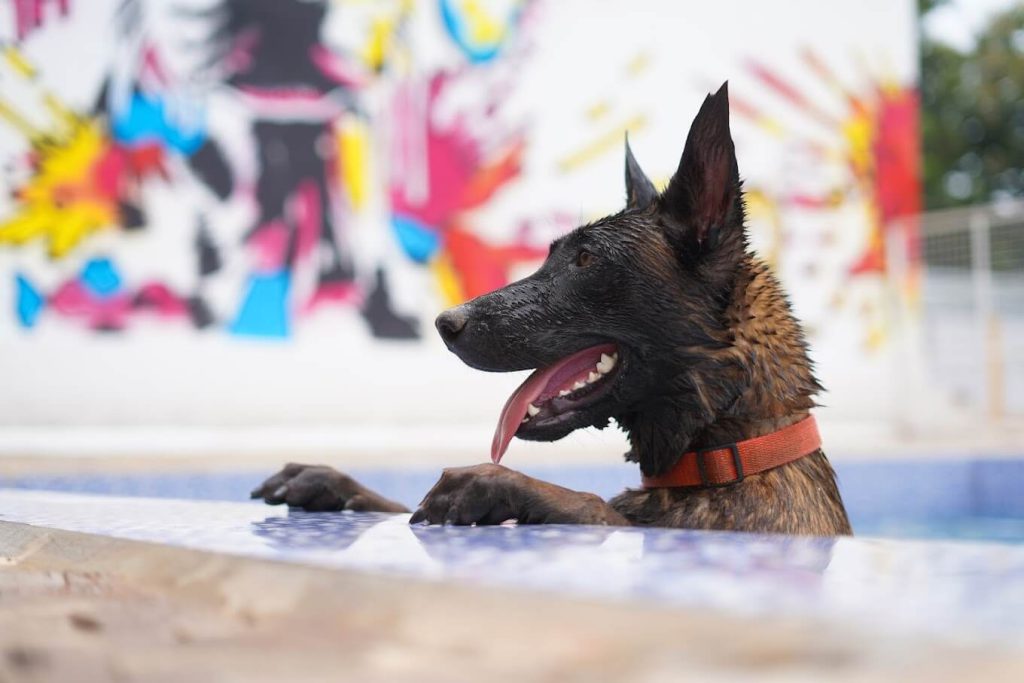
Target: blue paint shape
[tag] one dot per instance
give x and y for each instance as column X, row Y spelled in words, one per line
column 29, row 303
column 419, row 241
column 461, row 34
column 100, row 277
column 145, row 120
column 264, row 311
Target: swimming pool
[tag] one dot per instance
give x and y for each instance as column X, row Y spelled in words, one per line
column 962, row 499
column 925, row 578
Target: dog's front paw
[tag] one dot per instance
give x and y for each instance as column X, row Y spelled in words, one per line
column 481, row 494
column 492, row 494
column 318, row 488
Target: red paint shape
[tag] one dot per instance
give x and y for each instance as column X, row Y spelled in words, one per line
column 897, row 155
column 108, row 172
column 488, row 180
column 482, row 268
column 897, row 179
column 871, row 261
column 147, row 159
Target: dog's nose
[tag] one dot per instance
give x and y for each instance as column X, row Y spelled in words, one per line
column 450, row 323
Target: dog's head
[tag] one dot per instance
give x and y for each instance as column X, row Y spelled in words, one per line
column 621, row 306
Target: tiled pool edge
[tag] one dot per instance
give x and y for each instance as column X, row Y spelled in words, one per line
column 441, row 624
column 969, row 592
column 915, row 490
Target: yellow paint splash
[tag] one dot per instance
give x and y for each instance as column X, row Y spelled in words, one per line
column 601, row 144
column 447, row 280
column 353, row 150
column 60, row 203
column 483, row 28
column 17, row 61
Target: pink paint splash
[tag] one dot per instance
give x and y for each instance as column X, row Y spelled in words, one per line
column 29, row 15
column 158, row 298
column 305, row 209
column 270, row 246
column 461, row 176
column 343, row 293
column 73, row 300
column 114, row 312
column 337, row 68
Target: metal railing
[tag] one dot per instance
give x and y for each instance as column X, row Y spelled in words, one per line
column 973, row 304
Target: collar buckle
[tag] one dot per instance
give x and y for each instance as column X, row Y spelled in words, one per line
column 736, row 461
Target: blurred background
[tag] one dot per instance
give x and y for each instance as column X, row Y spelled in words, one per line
column 226, row 226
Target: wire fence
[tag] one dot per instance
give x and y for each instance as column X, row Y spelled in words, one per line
column 973, row 305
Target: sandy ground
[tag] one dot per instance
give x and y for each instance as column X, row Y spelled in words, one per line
column 76, row 607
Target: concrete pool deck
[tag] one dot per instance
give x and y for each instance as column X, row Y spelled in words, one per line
column 141, row 589
column 85, row 607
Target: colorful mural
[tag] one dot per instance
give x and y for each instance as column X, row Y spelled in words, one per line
column 313, row 138
column 873, row 147
column 309, row 174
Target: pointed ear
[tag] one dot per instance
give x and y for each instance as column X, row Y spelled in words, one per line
column 640, row 192
column 703, row 198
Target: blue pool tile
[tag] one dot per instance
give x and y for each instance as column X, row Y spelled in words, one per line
column 967, row 498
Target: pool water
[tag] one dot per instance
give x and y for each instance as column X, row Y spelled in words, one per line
column 967, row 499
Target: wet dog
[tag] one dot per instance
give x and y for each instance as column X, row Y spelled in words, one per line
column 657, row 317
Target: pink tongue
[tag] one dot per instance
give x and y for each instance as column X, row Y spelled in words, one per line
column 515, row 408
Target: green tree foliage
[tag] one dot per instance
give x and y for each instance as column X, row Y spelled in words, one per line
column 973, row 114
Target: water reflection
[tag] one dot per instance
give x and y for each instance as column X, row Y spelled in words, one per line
column 657, row 563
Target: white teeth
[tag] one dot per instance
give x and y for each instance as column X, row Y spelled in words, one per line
column 579, row 385
column 593, row 377
column 607, row 362
column 532, row 410
column 564, row 392
column 525, row 420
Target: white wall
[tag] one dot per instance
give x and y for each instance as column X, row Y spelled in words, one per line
column 648, row 62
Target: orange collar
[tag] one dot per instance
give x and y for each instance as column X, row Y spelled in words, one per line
column 730, row 463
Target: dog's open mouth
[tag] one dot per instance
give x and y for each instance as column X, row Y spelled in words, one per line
column 551, row 394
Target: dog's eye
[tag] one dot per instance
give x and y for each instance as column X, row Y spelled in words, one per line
column 584, row 258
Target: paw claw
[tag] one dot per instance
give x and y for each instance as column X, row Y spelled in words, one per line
column 281, row 491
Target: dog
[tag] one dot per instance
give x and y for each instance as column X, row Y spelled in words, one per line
column 658, row 317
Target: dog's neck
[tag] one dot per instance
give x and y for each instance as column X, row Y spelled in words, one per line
column 761, row 380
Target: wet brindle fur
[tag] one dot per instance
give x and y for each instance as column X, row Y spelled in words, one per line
column 710, row 354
